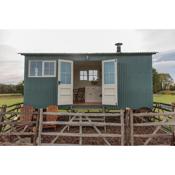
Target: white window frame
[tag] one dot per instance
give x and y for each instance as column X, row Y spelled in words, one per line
column 42, row 76
column 83, row 75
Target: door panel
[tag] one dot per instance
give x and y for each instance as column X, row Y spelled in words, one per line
column 65, row 82
column 109, row 82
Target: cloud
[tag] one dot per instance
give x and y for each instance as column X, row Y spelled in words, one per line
column 11, row 65
column 13, row 41
column 164, row 56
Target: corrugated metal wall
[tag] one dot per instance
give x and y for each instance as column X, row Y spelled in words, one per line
column 134, row 81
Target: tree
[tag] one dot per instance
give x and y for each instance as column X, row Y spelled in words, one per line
column 166, row 81
column 20, row 88
column 162, row 81
column 156, row 81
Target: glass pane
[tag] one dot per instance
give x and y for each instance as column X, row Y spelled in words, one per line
column 85, row 77
column 109, row 73
column 93, row 75
column 91, row 72
column 36, row 68
column 65, row 73
column 49, row 68
column 95, row 72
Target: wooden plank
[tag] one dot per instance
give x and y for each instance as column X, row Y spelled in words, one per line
column 15, row 144
column 153, row 114
column 153, row 135
column 17, row 133
column 17, row 104
column 14, row 122
column 83, row 114
column 50, row 144
column 155, row 124
column 81, row 123
column 78, row 135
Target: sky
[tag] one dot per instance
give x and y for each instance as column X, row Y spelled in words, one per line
column 13, row 42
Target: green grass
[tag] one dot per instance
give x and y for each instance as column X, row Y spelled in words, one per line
column 9, row 99
column 164, row 98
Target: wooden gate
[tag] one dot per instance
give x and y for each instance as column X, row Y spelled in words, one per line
column 152, row 128
column 77, row 126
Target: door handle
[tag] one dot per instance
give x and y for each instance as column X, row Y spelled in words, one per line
column 59, row 82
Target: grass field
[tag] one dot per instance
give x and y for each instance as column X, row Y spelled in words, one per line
column 164, row 98
column 9, row 99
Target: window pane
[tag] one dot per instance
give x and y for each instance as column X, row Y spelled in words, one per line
column 65, row 73
column 83, row 75
column 49, row 68
column 95, row 72
column 91, row 72
column 93, row 75
column 36, row 68
column 109, row 73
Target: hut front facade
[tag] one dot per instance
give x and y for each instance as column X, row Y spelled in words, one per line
column 120, row 79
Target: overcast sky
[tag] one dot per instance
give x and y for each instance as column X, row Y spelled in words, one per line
column 14, row 41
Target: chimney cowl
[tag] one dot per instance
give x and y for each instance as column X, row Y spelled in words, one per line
column 118, row 46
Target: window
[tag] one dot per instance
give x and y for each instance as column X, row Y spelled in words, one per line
column 109, row 73
column 49, row 68
column 65, row 73
column 42, row 68
column 35, row 68
column 93, row 75
column 83, row 75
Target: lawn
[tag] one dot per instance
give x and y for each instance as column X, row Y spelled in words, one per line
column 164, row 98
column 9, row 99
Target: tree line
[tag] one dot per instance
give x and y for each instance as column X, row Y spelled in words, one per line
column 10, row 88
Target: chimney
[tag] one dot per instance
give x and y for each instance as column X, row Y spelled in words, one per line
column 118, row 47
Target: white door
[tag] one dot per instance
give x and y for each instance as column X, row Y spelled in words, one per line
column 109, row 82
column 65, row 82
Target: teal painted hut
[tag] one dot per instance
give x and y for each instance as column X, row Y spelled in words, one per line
column 121, row 79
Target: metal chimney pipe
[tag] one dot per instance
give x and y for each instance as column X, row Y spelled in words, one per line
column 118, row 47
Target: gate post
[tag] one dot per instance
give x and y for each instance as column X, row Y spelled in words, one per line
column 40, row 126
column 173, row 127
column 131, row 127
column 127, row 126
column 122, row 127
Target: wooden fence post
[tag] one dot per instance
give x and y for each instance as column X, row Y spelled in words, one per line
column 131, row 127
column 40, row 126
column 122, row 127
column 3, row 109
column 173, row 127
column 127, row 126
column 36, row 129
